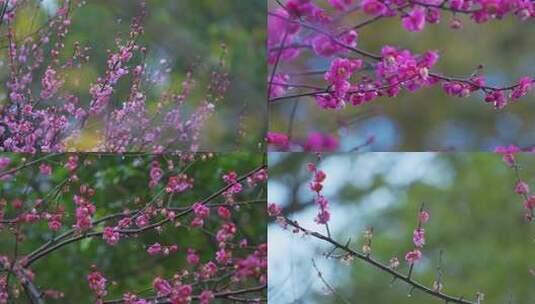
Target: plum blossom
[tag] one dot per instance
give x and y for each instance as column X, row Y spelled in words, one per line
column 418, row 237
column 154, row 249
column 97, row 283
column 415, row 20
column 111, row 236
column 413, row 256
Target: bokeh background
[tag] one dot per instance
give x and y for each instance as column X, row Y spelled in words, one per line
column 476, row 219
column 118, row 180
column 188, row 34
column 428, row 119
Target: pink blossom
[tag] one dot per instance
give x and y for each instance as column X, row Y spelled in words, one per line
column 274, row 209
column 302, row 8
column 511, row 149
column 413, row 256
column 201, row 210
column 373, row 7
column 54, row 225
column 230, row 178
column 226, row 232
column 330, row 101
column 156, row 174
column 529, row 204
column 192, row 257
column 279, row 85
column 179, row 183
column 97, row 283
column 45, row 169
column 497, row 98
column 206, row 297
column 72, row 163
column 84, row 212
column 162, row 287
column 209, row 270
column 224, row 213
column 50, row 83
column 423, row 217
column 341, row 70
column 415, row 20
column 278, row 139
column 142, row 220
column 111, row 236
column 154, row 249
column 323, row 217
column 4, row 162
column 522, row 188
column 181, row 294
column 324, row 46
column 223, row 257
column 418, row 237
column 321, row 142
column 525, row 84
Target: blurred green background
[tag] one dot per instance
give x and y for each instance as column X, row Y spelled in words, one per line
column 188, row 34
column 118, row 180
column 428, row 119
column 476, row 219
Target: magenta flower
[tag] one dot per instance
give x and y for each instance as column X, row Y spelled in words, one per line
column 206, row 297
column 162, row 287
column 321, row 142
column 277, row 139
column 522, row 188
column 423, row 217
column 192, row 257
column 154, row 249
column 279, row 85
column 415, row 20
column 179, row 183
column 224, row 213
column 97, row 283
column 111, row 236
column 373, row 7
column 201, row 210
column 413, row 256
column 274, row 209
column 418, row 237
column 4, row 162
column 525, row 84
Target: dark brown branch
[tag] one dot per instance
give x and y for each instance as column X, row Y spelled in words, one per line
column 414, row 284
column 43, row 252
column 220, row 295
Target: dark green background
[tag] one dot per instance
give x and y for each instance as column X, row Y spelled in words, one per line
column 428, row 119
column 118, row 180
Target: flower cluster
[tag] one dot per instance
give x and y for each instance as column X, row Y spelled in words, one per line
column 223, row 255
column 179, row 183
column 316, row 141
column 418, row 238
column 521, row 187
column 316, row 186
column 231, row 179
column 97, row 283
column 42, row 112
column 300, row 29
column 85, row 210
